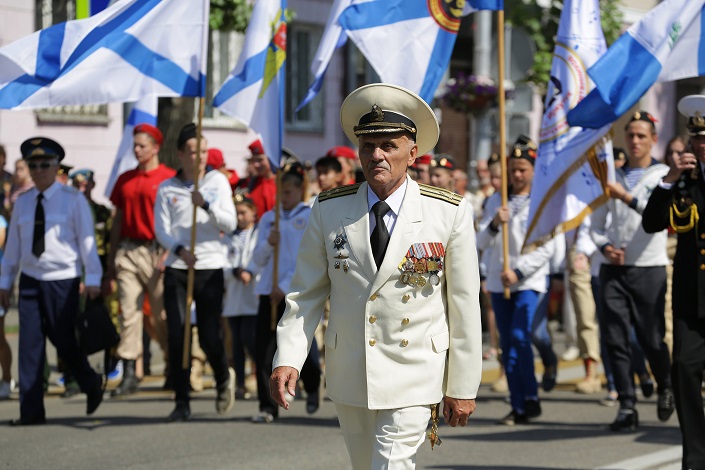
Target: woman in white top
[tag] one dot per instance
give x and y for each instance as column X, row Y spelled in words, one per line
column 241, row 302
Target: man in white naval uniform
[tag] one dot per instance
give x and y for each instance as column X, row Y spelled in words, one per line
column 399, row 263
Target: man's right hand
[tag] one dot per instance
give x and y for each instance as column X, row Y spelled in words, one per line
column 4, row 299
column 680, row 163
column 283, row 380
column 614, row 256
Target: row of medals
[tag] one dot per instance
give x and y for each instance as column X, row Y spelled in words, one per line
column 422, row 258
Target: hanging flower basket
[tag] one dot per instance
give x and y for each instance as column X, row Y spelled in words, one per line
column 471, row 94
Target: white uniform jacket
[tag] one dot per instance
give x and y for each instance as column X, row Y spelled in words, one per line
column 388, row 344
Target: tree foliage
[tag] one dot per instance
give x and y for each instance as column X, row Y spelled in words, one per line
column 542, row 25
column 230, row 15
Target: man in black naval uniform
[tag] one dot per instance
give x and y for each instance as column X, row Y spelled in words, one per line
column 678, row 202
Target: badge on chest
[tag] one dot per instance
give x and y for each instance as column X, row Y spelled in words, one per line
column 422, row 264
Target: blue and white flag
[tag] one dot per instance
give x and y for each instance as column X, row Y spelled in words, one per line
column 254, row 91
column 333, row 38
column 667, row 44
column 132, row 49
column 573, row 164
column 143, row 112
column 409, row 42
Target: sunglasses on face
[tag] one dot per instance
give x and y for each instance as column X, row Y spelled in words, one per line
column 42, row 165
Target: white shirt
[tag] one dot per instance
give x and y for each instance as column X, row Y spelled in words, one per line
column 173, row 215
column 69, row 239
column 394, row 201
column 240, row 299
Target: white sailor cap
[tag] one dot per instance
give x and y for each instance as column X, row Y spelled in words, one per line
column 383, row 108
column 693, row 107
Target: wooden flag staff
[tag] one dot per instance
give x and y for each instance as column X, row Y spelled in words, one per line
column 502, row 139
column 186, row 363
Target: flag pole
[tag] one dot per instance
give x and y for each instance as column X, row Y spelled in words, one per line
column 275, row 259
column 502, row 138
column 186, row 363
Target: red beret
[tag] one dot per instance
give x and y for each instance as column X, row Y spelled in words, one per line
column 150, row 130
column 342, row 151
column 257, row 148
column 215, row 158
column 424, row 159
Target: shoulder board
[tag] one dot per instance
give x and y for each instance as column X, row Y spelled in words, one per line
column 346, row 190
column 69, row 189
column 441, row 194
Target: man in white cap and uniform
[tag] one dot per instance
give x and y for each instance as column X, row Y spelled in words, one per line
column 399, row 263
column 678, row 202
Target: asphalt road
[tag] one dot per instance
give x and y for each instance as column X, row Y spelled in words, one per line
column 131, row 434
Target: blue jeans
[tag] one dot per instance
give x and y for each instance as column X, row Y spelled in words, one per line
column 540, row 335
column 514, row 318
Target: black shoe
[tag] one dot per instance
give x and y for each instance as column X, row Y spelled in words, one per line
column 95, row 397
column 128, row 385
column 25, row 421
column 513, row 418
column 548, row 382
column 182, row 412
column 647, row 386
column 533, row 408
column 665, row 404
column 627, row 418
column 313, row 401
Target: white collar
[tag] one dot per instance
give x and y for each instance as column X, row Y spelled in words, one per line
column 394, row 200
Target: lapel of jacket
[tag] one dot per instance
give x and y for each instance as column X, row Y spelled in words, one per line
column 406, row 229
column 357, row 230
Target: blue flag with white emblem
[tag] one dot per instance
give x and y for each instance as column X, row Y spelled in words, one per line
column 409, row 42
column 132, row 49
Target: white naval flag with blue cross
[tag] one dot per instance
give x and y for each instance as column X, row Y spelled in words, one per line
column 409, row 42
column 132, row 49
column 573, row 163
column 668, row 43
column 254, row 91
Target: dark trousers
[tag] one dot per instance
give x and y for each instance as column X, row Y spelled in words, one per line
column 688, row 366
column 48, row 309
column 266, row 346
column 208, row 289
column 635, row 296
column 242, row 329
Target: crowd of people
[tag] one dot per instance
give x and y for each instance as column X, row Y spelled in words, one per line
column 615, row 272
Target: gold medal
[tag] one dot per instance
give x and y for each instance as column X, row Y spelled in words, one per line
column 431, row 265
column 420, row 266
column 405, row 278
column 420, row 281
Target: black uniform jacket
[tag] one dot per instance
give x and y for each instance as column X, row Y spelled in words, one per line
column 689, row 262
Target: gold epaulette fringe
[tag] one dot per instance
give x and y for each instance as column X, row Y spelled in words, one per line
column 338, row 192
column 441, row 194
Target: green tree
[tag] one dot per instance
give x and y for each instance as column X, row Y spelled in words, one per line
column 230, row 15
column 542, row 25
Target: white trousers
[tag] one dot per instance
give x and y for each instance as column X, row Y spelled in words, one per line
column 383, row 439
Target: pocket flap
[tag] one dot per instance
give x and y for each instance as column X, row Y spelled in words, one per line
column 441, row 341
column 330, row 338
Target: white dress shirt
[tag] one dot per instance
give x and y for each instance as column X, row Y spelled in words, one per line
column 394, row 201
column 69, row 239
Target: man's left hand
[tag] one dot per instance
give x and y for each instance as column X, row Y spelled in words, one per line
column 93, row 292
column 283, row 380
column 456, row 411
column 197, row 199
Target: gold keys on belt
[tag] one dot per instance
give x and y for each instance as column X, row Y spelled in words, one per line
column 433, row 433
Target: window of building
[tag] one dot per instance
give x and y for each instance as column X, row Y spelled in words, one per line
column 48, row 13
column 302, row 42
column 224, row 48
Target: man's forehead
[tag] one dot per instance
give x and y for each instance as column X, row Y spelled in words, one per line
column 639, row 127
column 384, row 137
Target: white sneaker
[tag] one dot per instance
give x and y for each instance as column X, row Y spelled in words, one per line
column 264, row 417
column 6, row 388
column 571, row 354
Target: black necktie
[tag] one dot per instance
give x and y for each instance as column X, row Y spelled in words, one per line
column 380, row 235
column 38, row 235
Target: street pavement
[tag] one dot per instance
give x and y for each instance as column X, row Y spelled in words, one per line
column 131, row 433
